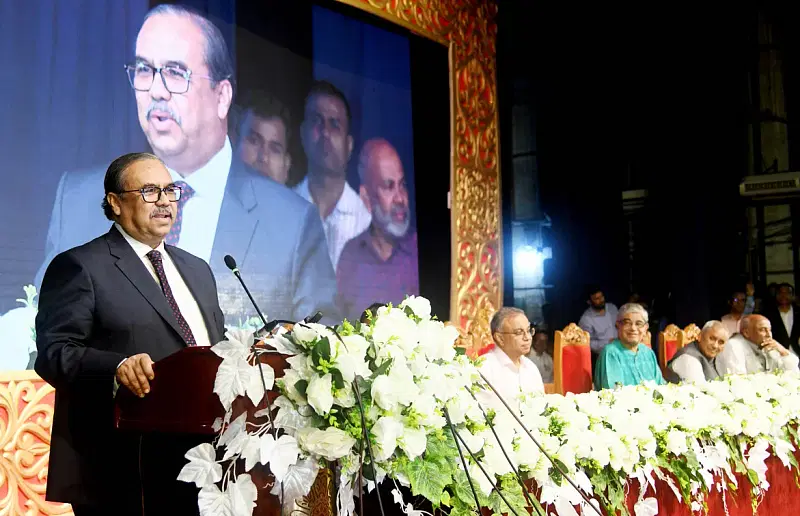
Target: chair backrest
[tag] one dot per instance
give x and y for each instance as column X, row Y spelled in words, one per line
column 691, row 333
column 572, row 361
column 669, row 342
column 477, row 339
column 648, row 340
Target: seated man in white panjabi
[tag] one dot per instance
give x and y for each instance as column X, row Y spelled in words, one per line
column 506, row 365
column 753, row 350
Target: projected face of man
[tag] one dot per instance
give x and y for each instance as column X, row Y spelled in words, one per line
column 264, row 147
column 148, row 223
column 326, row 135
column 384, row 190
column 184, row 129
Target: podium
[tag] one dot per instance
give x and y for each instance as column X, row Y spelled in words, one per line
column 182, row 401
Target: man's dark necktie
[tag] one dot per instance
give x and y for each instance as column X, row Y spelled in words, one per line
column 175, row 232
column 158, row 263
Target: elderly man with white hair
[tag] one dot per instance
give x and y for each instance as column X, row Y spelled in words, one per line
column 625, row 360
column 754, row 350
column 506, row 366
column 697, row 361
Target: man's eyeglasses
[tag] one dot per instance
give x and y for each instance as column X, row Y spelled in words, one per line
column 521, row 332
column 627, row 323
column 174, row 78
column 153, row 193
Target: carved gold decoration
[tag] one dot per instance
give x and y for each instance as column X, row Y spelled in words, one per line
column 26, row 417
column 469, row 29
column 319, row 501
column 692, row 333
column 573, row 334
column 671, row 332
column 479, row 334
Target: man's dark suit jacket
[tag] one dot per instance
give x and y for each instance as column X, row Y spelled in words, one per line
column 275, row 235
column 779, row 330
column 98, row 305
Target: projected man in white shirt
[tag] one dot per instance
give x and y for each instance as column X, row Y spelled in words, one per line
column 506, row 366
column 328, row 144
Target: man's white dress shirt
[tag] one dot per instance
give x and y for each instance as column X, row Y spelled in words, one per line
column 201, row 212
column 788, row 319
column 509, row 380
column 183, row 296
column 740, row 356
column 691, row 370
column 348, row 219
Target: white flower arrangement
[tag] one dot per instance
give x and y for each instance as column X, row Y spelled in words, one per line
column 399, row 379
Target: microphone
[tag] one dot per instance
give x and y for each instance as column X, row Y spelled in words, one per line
column 231, row 264
column 313, row 318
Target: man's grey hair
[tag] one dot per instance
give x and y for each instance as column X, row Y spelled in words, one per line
column 218, row 59
column 501, row 315
column 710, row 325
column 632, row 308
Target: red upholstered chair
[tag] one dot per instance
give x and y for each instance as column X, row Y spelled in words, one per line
column 669, row 342
column 572, row 361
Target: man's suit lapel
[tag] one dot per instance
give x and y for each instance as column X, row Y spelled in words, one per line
column 132, row 267
column 238, row 217
column 194, row 279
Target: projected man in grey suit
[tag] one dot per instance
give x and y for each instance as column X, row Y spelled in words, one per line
column 182, row 79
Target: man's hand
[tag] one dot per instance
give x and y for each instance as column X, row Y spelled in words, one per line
column 135, row 373
column 771, row 344
column 750, row 290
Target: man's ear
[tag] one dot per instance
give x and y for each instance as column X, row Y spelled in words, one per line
column 349, row 146
column 362, row 193
column 224, row 98
column 113, row 200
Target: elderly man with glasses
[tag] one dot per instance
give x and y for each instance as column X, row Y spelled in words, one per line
column 506, row 366
column 625, row 360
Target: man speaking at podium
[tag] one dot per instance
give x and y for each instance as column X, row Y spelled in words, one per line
column 107, row 310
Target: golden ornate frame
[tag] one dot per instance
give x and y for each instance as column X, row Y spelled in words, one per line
column 468, row 29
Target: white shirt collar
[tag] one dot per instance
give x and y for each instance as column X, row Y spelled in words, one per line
column 141, row 249
column 210, row 179
column 349, row 202
column 506, row 362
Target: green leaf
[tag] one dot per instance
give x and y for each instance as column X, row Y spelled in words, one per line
column 752, row 476
column 445, row 500
column 301, row 386
column 461, row 350
column 441, row 449
column 461, row 488
column 428, row 479
column 338, row 380
column 383, row 368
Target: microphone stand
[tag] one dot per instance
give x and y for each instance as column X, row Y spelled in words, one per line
column 536, row 506
column 485, row 473
column 238, row 275
column 536, row 442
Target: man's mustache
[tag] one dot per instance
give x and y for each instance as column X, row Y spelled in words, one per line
column 164, row 107
column 160, row 212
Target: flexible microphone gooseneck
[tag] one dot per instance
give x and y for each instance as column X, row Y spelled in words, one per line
column 541, row 448
column 231, row 263
column 535, row 507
